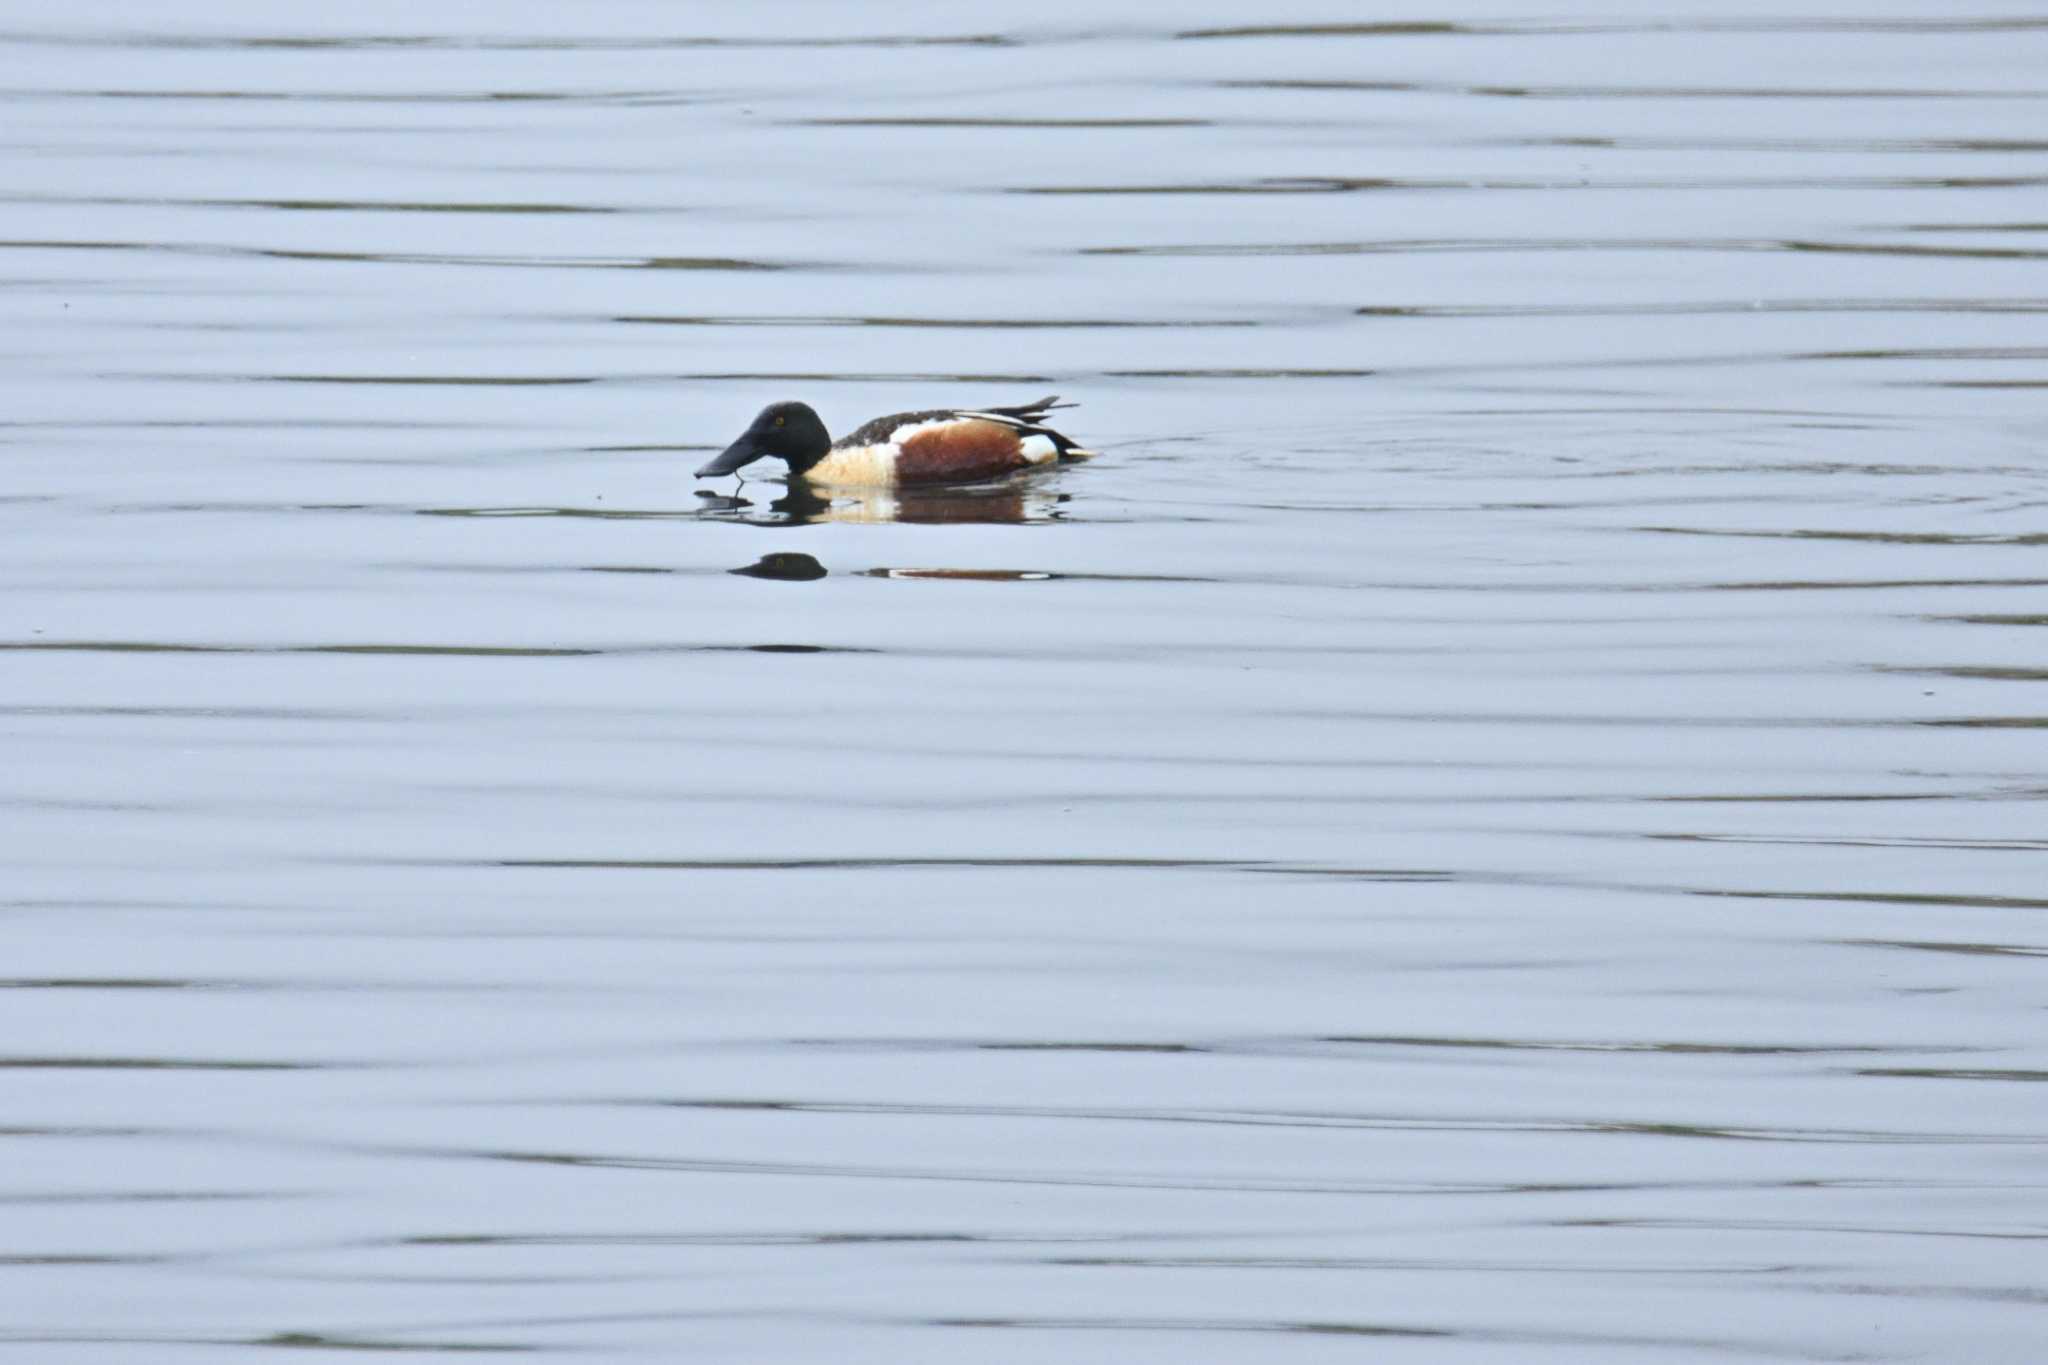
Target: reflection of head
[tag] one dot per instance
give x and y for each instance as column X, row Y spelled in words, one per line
column 787, row 566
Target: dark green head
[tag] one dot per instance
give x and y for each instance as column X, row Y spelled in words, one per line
column 788, row 431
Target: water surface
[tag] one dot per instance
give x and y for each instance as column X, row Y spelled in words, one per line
column 1500, row 821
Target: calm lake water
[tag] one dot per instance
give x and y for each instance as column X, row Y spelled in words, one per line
column 1501, row 821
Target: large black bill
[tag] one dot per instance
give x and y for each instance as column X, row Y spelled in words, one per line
column 739, row 453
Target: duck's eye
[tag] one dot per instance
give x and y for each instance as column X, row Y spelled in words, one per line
column 778, row 421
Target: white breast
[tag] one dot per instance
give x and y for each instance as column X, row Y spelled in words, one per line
column 866, row 466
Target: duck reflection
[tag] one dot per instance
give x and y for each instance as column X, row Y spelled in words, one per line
column 784, row 566
column 1012, row 501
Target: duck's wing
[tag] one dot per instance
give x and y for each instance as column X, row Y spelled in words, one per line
column 1024, row 414
column 881, row 429
column 1028, row 420
column 1023, row 417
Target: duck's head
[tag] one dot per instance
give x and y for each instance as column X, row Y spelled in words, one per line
column 789, row 431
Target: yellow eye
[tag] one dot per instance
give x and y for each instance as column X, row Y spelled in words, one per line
column 778, row 421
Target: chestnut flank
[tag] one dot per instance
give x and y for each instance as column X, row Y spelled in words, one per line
column 959, row 452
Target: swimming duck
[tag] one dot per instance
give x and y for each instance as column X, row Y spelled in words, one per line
column 941, row 445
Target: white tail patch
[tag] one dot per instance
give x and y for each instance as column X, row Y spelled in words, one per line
column 1039, row 449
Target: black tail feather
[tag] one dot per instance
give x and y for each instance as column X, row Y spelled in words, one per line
column 1031, row 412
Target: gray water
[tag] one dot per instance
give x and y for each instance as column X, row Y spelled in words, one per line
column 1500, row 821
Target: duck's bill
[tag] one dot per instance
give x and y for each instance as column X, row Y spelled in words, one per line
column 738, row 455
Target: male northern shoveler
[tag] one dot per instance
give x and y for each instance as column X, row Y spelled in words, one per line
column 943, row 445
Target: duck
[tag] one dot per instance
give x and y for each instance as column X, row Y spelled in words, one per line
column 935, row 446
